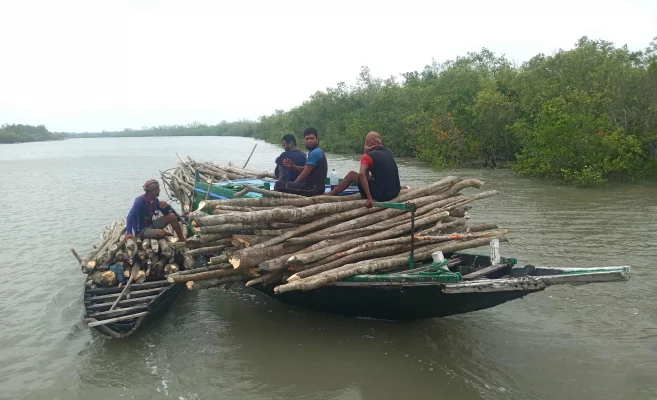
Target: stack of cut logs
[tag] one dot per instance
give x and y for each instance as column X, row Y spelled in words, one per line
column 180, row 180
column 302, row 243
column 155, row 258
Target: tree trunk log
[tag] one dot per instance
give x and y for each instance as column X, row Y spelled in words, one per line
column 251, row 257
column 390, row 233
column 370, row 266
column 204, row 251
column 281, row 214
column 269, row 202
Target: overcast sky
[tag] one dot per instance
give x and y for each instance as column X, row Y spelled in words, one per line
column 89, row 65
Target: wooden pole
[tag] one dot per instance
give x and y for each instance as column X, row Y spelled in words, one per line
column 249, row 159
column 133, row 276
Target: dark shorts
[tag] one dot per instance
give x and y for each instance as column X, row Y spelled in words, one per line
column 300, row 188
column 376, row 192
column 151, row 231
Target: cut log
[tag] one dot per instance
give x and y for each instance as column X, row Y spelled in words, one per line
column 390, row 233
column 205, row 251
column 242, row 241
column 233, row 228
column 269, row 202
column 251, row 257
column 280, row 214
column 92, row 322
column 266, row 193
column 372, row 266
column 242, row 273
column 171, row 269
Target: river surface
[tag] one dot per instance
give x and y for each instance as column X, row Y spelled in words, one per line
column 596, row 341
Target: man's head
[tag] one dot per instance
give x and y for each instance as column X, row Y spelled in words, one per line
column 289, row 142
column 310, row 138
column 152, row 187
column 372, row 141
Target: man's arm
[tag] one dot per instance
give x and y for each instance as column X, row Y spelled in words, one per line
column 362, row 176
column 288, row 163
column 131, row 220
column 305, row 171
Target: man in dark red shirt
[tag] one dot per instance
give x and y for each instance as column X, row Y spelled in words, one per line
column 378, row 178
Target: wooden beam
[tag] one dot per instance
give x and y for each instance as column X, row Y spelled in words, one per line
column 117, row 311
column 122, row 302
column 485, row 271
column 117, row 319
column 135, row 294
column 117, row 289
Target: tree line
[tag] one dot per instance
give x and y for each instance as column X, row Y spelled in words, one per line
column 19, row 133
column 583, row 116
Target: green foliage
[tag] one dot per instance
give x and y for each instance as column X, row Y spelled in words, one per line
column 583, row 116
column 19, row 133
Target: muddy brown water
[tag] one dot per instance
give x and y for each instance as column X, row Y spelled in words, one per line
column 596, row 341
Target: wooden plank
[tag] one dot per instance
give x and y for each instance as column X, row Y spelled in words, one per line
column 118, row 311
column 484, row 271
column 135, row 294
column 91, row 322
column 117, row 289
column 122, row 302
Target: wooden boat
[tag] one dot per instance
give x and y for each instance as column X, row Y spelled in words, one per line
column 144, row 302
column 472, row 283
column 429, row 294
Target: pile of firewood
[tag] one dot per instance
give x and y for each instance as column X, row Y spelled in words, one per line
column 179, row 181
column 300, row 243
column 155, row 258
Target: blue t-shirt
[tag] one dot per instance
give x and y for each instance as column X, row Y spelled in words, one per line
column 315, row 156
column 141, row 214
column 297, row 156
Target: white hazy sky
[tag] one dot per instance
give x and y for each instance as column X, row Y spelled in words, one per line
column 107, row 65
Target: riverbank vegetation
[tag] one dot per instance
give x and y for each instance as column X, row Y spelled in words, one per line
column 584, row 116
column 19, row 133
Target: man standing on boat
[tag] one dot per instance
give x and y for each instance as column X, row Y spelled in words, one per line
column 297, row 156
column 378, row 178
column 140, row 218
column 312, row 176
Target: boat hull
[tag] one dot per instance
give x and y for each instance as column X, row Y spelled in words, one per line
column 395, row 301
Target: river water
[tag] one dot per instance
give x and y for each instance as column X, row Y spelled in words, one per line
column 596, row 341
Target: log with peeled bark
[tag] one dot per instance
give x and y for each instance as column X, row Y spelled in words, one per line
column 164, row 248
column 371, row 266
column 279, row 263
column 155, row 245
column 251, row 257
column 205, row 251
column 270, row 202
column 233, row 228
column 244, row 241
column 267, row 279
column 243, row 273
column 210, row 283
column 281, row 214
column 204, row 269
column 442, row 225
column 257, row 174
column 390, row 233
column 171, row 268
column 304, row 271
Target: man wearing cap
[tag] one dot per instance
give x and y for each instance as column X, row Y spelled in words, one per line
column 140, row 218
column 377, row 161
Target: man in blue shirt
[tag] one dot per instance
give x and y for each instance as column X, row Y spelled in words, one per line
column 140, row 220
column 312, row 176
column 297, row 156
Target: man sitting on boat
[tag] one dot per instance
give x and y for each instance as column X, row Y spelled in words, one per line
column 378, row 178
column 312, row 176
column 140, row 220
column 291, row 152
